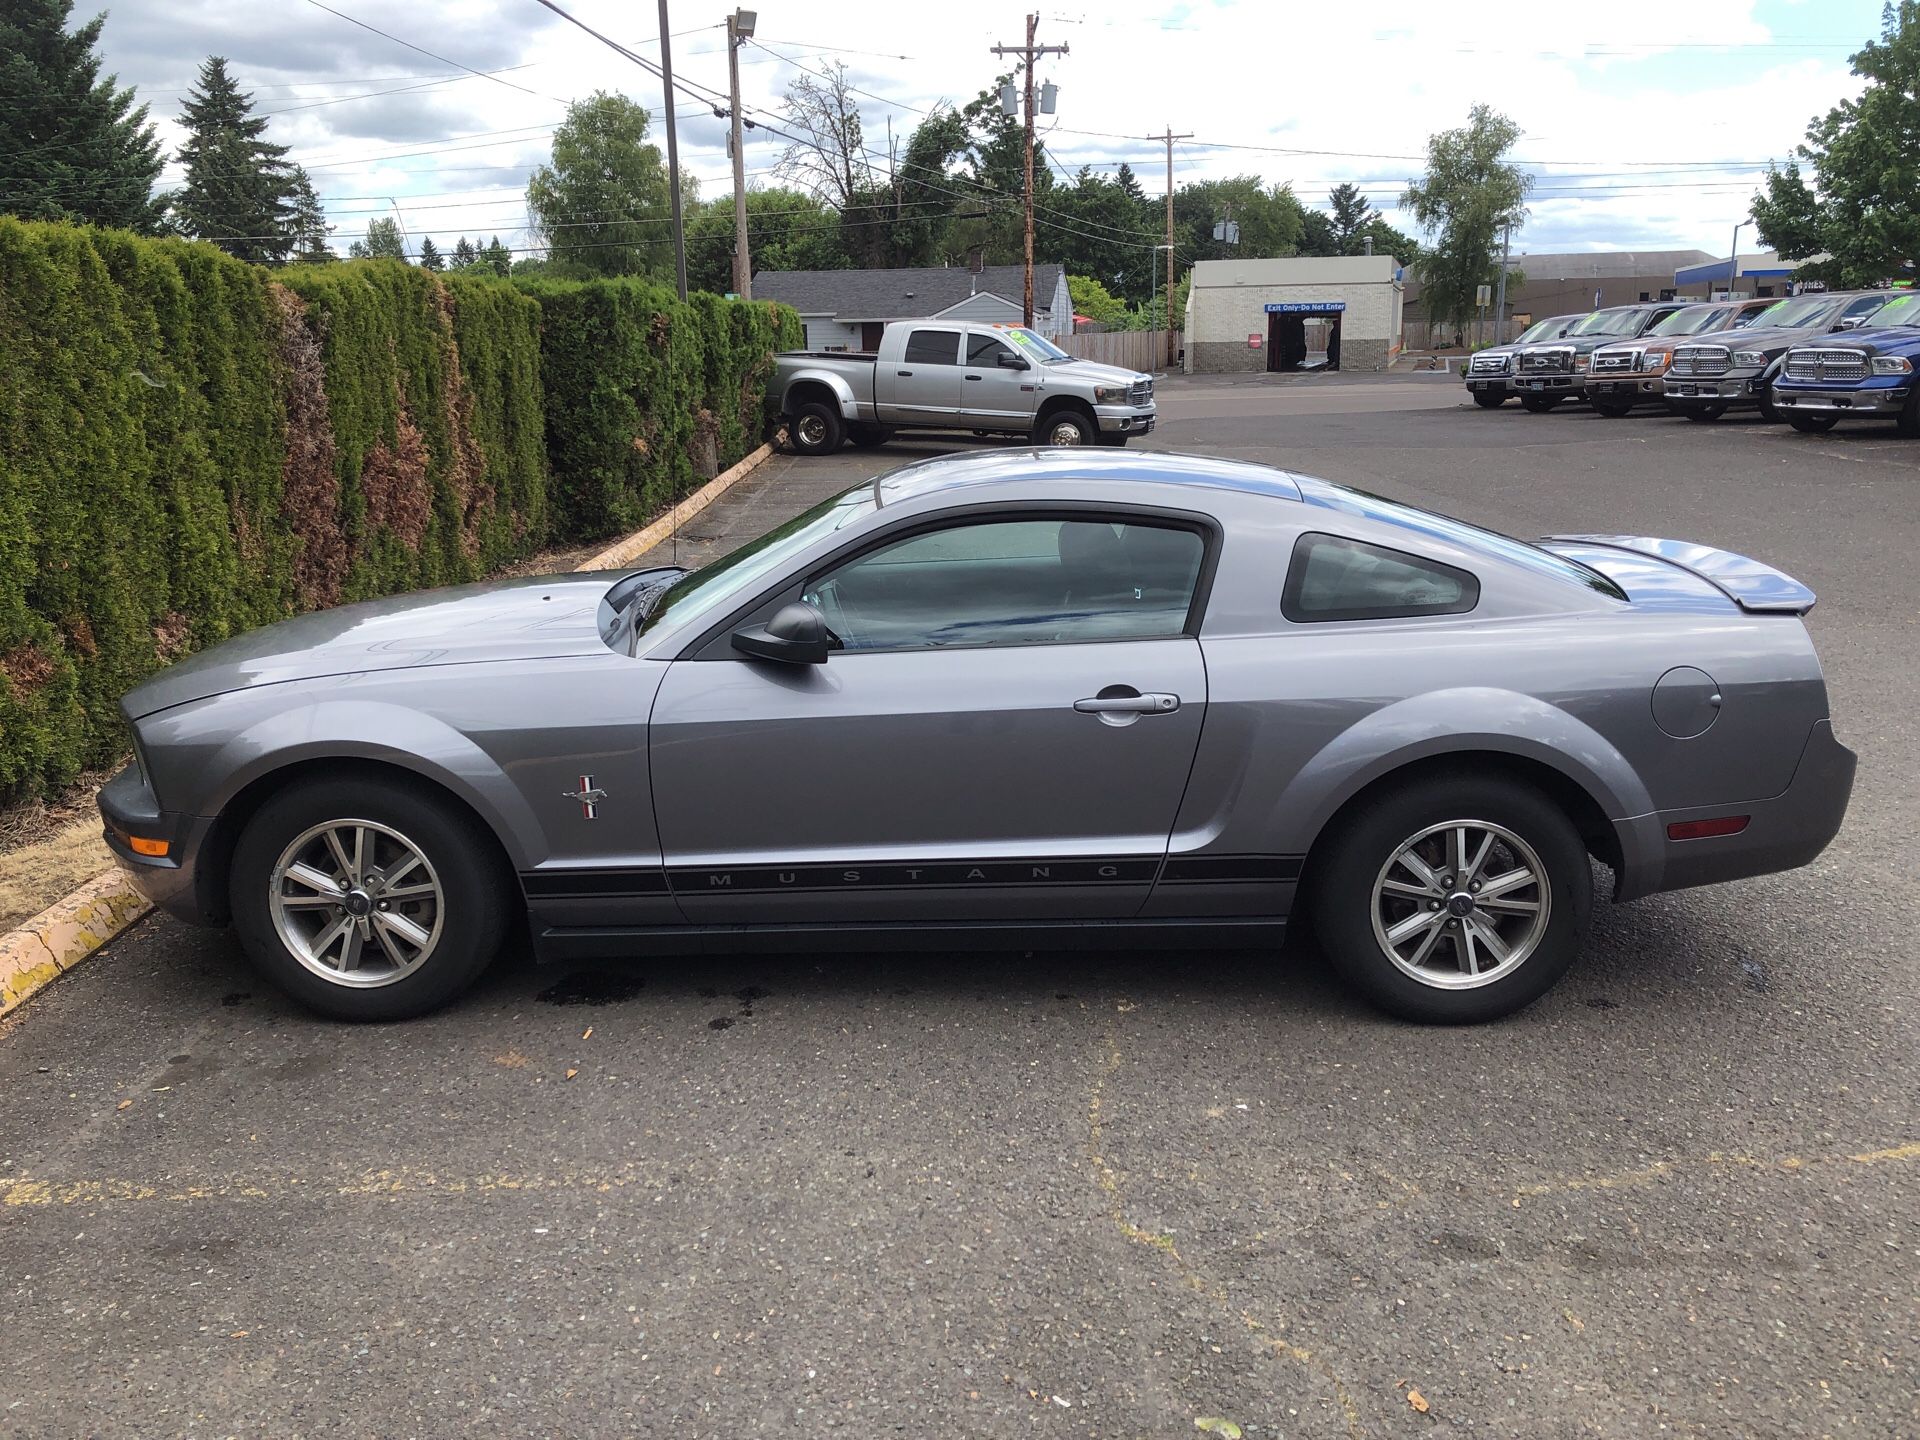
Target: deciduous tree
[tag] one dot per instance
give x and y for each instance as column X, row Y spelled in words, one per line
column 603, row 201
column 1470, row 191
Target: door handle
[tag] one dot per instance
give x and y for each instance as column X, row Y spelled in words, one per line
column 973, row 377
column 1150, row 704
column 904, row 374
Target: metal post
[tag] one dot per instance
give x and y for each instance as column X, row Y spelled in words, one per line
column 742, row 267
column 1733, row 259
column 673, row 156
column 1500, row 301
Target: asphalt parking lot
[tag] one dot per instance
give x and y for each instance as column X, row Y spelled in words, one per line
column 1081, row 1195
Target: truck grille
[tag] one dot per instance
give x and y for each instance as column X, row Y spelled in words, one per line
column 1826, row 365
column 1489, row 364
column 1141, row 392
column 1701, row 361
column 1546, row 362
column 1615, row 360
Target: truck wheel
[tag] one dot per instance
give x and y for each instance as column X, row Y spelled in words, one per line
column 1704, row 413
column 1813, row 424
column 869, row 437
column 1539, row 404
column 1065, row 427
column 1489, row 399
column 1909, row 421
column 1613, row 409
column 1453, row 900
column 1115, row 441
column 816, row 429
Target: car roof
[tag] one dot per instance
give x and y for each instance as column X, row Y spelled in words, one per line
column 1007, row 467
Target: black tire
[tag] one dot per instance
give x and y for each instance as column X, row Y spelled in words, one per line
column 1614, row 409
column 869, row 437
column 1539, row 404
column 816, row 429
column 1050, row 428
column 1704, row 413
column 469, row 915
column 1909, row 422
column 1489, row 399
column 1813, row 424
column 1116, row 441
column 1356, row 855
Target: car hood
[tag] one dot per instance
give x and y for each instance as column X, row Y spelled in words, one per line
column 1770, row 339
column 536, row 617
column 1093, row 373
column 1893, row 340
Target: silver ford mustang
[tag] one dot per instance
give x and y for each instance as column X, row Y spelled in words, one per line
column 1025, row 699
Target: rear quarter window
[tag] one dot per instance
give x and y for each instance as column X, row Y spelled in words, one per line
column 1333, row 578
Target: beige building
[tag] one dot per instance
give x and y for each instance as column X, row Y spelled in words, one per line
column 1253, row 315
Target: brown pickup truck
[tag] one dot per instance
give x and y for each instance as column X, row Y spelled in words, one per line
column 1544, row 375
column 1620, row 377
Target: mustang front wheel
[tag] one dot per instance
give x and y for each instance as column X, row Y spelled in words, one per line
column 1455, row 900
column 366, row 901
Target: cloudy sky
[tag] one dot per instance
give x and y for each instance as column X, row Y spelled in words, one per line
column 1646, row 122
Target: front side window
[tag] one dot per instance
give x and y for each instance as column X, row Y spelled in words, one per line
column 985, row 350
column 933, row 347
column 1866, row 305
column 1334, row 578
column 1015, row 582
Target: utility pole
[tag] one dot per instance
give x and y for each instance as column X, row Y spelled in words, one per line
column 739, row 28
column 1029, row 53
column 1733, row 261
column 1500, row 304
column 1169, row 138
column 673, row 156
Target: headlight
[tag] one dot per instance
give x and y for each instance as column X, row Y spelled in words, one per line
column 1110, row 394
column 1892, row 365
column 1656, row 361
column 1749, row 359
column 1580, row 362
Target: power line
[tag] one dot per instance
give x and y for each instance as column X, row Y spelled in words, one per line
column 430, row 54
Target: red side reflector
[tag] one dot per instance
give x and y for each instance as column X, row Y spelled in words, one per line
column 1706, row 829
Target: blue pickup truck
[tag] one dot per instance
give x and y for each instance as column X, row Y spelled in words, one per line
column 1866, row 375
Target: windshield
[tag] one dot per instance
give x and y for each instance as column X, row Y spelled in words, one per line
column 1904, row 310
column 1691, row 321
column 1607, row 322
column 1800, row 311
column 1457, row 532
column 1541, row 330
column 1032, row 342
column 730, row 577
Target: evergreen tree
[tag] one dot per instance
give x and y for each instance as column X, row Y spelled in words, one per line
column 430, row 258
column 382, row 242
column 497, row 257
column 1350, row 218
column 76, row 146
column 464, row 255
column 238, row 186
column 308, row 223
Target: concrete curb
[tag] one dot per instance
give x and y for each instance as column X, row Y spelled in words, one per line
column 641, row 541
column 65, row 933
column 35, row 954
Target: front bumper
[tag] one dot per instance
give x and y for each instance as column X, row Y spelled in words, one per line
column 1783, row 833
column 1124, row 419
column 1628, row 387
column 1495, row 384
column 1564, row 385
column 1883, row 396
column 1732, row 391
column 128, row 810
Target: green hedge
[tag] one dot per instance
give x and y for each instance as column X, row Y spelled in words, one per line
column 644, row 392
column 191, row 446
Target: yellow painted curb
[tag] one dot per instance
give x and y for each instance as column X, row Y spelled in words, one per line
column 64, row 934
column 641, row 541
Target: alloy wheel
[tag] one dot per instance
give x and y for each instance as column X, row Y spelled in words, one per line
column 357, row 903
column 1461, row 904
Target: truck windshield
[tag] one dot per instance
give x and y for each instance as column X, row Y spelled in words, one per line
column 730, row 577
column 1902, row 311
column 1607, row 322
column 1691, row 321
column 1034, row 343
column 1541, row 330
column 1800, row 311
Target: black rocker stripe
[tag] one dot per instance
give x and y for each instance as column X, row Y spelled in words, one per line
column 910, row 875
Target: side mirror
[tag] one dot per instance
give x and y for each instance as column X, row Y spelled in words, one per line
column 1851, row 322
column 1014, row 362
column 796, row 635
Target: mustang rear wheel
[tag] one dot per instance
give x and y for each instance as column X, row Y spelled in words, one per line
column 367, row 901
column 1453, row 900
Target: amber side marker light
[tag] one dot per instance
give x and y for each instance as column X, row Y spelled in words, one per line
column 140, row 845
column 1706, row 829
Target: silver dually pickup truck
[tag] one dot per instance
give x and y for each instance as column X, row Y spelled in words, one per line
column 932, row 375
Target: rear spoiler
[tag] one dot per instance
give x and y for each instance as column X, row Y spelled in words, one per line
column 1755, row 588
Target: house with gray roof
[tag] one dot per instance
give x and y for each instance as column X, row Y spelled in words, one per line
column 847, row 309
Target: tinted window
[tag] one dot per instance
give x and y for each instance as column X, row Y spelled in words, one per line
column 1865, row 305
column 1015, row 582
column 985, row 350
column 933, row 347
column 1333, row 578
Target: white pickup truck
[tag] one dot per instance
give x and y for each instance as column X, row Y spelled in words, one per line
column 936, row 375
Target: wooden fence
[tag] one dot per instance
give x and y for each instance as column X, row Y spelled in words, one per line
column 1143, row 350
